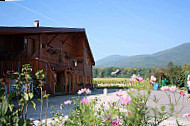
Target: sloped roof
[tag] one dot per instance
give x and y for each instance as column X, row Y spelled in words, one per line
column 20, row 30
column 33, row 30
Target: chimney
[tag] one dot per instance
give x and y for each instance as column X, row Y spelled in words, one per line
column 36, row 23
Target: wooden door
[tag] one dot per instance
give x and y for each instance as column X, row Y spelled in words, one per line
column 69, row 82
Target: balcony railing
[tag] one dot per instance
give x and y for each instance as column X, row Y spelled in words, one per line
column 16, row 65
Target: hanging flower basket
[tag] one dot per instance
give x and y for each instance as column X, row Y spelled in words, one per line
column 52, row 50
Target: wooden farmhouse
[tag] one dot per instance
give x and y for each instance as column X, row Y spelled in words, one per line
column 63, row 53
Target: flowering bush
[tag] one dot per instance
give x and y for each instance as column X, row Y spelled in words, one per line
column 87, row 91
column 9, row 74
column 131, row 109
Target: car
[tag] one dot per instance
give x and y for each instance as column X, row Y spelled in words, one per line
column 188, row 84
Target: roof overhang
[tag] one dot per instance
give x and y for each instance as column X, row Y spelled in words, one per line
column 26, row 30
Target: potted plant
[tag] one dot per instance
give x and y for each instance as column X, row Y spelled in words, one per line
column 9, row 77
column 50, row 50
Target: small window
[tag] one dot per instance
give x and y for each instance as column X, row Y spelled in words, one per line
column 25, row 41
column 42, row 45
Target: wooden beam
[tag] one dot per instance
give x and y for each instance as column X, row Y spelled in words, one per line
column 52, row 39
column 39, row 46
column 73, row 82
column 65, row 75
column 64, row 41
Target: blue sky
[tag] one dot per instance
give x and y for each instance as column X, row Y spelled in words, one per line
column 114, row 27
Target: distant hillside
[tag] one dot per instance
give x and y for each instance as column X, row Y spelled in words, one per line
column 180, row 55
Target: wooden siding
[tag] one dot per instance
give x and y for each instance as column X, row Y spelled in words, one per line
column 34, row 50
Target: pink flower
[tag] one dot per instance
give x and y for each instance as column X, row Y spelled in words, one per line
column 93, row 123
column 85, row 100
column 134, row 76
column 172, row 88
column 187, row 95
column 123, row 103
column 115, row 72
column 68, row 102
column 140, row 79
column 115, row 122
column 107, row 118
column 88, row 91
column 62, row 124
column 181, row 93
column 61, row 106
column 132, row 79
column 164, row 88
column 186, row 115
column 153, row 78
column 120, row 93
column 126, row 99
column 52, row 112
column 8, row 72
column 129, row 113
column 79, row 92
column 32, row 119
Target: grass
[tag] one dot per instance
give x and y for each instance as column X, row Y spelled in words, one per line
column 111, row 80
column 119, row 83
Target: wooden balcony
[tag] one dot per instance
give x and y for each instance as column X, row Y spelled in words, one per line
column 16, row 65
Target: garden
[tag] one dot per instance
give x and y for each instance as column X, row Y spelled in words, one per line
column 129, row 106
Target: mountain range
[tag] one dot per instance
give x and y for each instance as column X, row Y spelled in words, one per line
column 180, row 55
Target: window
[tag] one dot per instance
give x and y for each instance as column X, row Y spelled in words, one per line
column 43, row 45
column 25, row 41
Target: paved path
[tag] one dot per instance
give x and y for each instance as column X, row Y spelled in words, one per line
column 56, row 101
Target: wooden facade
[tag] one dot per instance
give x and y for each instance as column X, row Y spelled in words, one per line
column 63, row 53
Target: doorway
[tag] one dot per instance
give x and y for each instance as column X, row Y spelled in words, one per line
column 60, row 85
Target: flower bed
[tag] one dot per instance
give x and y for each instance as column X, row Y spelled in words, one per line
column 130, row 109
